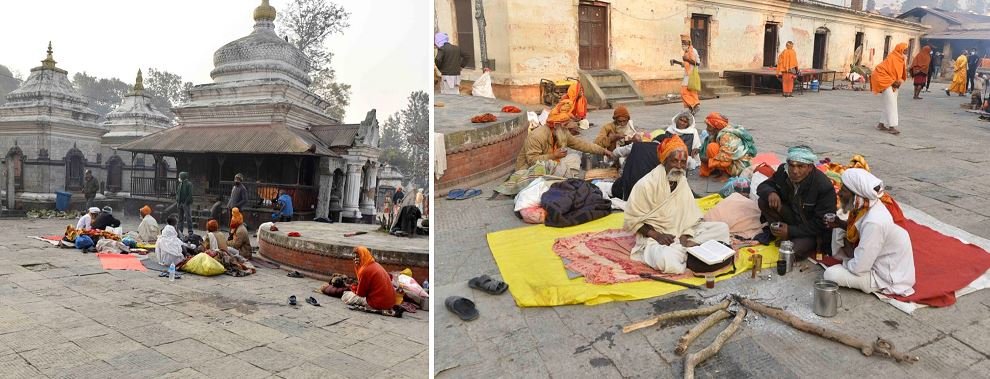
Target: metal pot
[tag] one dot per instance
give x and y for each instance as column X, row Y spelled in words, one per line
column 827, row 298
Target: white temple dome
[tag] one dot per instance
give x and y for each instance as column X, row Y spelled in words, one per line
column 260, row 55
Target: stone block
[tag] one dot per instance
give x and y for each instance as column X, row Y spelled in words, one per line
column 189, row 351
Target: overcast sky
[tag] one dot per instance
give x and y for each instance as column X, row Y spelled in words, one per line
column 382, row 55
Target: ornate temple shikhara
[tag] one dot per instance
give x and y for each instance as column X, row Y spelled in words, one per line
column 258, row 118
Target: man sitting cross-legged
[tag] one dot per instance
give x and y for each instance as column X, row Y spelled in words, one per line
column 798, row 196
column 877, row 254
column 664, row 215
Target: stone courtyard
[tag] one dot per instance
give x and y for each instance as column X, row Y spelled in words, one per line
column 63, row 315
column 936, row 165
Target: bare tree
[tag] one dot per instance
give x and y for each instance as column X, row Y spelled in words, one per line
column 167, row 90
column 307, row 24
column 104, row 94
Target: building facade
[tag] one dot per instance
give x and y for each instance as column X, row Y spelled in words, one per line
column 533, row 40
column 952, row 32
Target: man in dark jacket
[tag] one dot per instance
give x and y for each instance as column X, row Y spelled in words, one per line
column 238, row 194
column 973, row 61
column 106, row 219
column 397, row 197
column 184, row 199
column 90, row 187
column 798, row 196
column 450, row 60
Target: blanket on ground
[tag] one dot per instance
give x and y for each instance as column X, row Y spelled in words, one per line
column 573, row 202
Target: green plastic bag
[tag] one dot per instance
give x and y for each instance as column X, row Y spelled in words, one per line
column 694, row 80
column 204, row 264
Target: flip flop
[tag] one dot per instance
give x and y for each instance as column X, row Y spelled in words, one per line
column 882, row 128
column 893, row 130
column 454, row 194
column 292, row 300
column 472, row 192
column 295, row 274
column 463, row 308
column 489, row 285
column 312, row 301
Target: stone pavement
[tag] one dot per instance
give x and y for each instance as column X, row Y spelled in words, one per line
column 62, row 315
column 934, row 165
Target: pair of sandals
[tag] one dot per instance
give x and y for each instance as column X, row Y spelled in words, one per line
column 310, row 300
column 888, row 129
column 464, row 308
column 463, row 194
column 295, row 274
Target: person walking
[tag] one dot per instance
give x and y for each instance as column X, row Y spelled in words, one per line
column 90, row 187
column 450, row 60
column 886, row 79
column 973, row 62
column 184, row 199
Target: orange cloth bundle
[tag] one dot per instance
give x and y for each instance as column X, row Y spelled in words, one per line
column 511, row 109
column 483, row 118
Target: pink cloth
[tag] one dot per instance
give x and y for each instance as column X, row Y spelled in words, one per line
column 603, row 257
column 739, row 212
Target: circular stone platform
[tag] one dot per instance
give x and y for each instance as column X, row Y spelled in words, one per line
column 323, row 250
column 477, row 153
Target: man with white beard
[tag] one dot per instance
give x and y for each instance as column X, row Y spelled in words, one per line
column 664, row 215
column 877, row 254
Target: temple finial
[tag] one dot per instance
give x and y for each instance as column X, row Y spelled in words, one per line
column 49, row 61
column 264, row 12
column 139, row 82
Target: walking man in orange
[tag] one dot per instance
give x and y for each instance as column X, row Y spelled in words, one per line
column 787, row 68
column 691, row 62
column 886, row 79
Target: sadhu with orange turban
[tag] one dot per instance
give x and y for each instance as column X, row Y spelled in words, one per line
column 374, row 287
column 148, row 230
column 727, row 149
column 239, row 238
column 214, row 238
column 886, row 79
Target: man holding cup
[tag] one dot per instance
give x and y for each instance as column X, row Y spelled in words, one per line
column 794, row 202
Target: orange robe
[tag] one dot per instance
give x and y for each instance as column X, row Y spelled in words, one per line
column 892, row 69
column 786, row 64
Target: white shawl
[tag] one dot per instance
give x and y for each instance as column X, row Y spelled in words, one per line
column 652, row 203
column 148, row 229
column 169, row 246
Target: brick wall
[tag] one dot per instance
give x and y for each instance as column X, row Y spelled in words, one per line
column 480, row 164
column 321, row 265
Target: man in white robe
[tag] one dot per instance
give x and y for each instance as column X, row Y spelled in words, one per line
column 664, row 215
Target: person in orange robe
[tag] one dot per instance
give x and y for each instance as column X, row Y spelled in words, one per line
column 886, row 79
column 959, row 75
column 691, row 61
column 709, row 165
column 374, row 289
column 787, row 66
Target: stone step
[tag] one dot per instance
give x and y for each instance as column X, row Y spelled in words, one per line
column 622, row 97
column 618, row 91
column 613, row 85
column 627, row 103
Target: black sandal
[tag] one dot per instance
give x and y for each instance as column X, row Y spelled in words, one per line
column 295, row 274
column 292, row 300
column 312, row 301
column 463, row 308
column 489, row 285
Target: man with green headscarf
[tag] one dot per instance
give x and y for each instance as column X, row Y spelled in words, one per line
column 184, row 199
column 797, row 197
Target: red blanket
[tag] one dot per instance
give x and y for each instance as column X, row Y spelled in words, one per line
column 942, row 265
column 112, row 261
column 603, row 257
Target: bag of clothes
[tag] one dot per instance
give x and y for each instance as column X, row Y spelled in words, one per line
column 204, row 264
column 574, row 202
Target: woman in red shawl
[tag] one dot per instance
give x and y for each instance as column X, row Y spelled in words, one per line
column 919, row 69
column 373, row 290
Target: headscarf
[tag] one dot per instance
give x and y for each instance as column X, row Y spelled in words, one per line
column 801, row 154
column 670, row 146
column 620, row 111
column 108, row 210
column 561, row 113
column 892, row 69
column 212, row 225
column 717, row 121
column 690, row 129
column 576, row 94
column 922, row 60
column 440, row 39
column 235, row 219
column 145, row 210
column 867, row 189
column 364, row 259
column 94, row 210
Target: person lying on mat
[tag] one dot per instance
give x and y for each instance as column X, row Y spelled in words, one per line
column 373, row 290
column 86, row 221
column 797, row 197
column 877, row 254
column 664, row 215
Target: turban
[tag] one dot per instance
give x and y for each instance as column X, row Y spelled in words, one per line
column 440, row 39
column 717, row 121
column 364, row 259
column 621, row 111
column 801, row 154
column 685, row 38
column 108, row 209
column 669, row 146
column 235, row 219
column 94, row 210
column 212, row 225
column 560, row 113
column 145, row 210
column 862, row 183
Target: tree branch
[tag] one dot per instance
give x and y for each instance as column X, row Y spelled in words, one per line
column 676, row 315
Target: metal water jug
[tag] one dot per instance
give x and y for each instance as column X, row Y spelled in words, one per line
column 827, row 299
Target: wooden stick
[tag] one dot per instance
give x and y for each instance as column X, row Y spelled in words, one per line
column 693, row 359
column 882, row 347
column 697, row 330
column 675, row 315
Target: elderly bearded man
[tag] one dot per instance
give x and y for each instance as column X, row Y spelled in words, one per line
column 877, row 254
column 798, row 196
column 664, row 215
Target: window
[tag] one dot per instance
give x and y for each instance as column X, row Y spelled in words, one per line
column 859, row 40
column 464, row 15
column 886, row 46
column 74, row 169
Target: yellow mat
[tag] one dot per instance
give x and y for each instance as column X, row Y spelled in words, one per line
column 537, row 278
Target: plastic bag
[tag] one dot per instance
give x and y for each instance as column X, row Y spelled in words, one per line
column 203, row 264
column 694, row 80
column 483, row 86
column 84, row 242
column 530, row 196
column 758, row 178
column 408, row 284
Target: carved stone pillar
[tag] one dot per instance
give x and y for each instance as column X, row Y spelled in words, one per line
column 352, row 191
column 370, row 186
column 325, row 185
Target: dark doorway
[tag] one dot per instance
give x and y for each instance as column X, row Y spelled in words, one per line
column 593, row 36
column 464, row 14
column 821, row 46
column 700, row 24
column 886, row 46
column 859, row 40
column 74, row 169
column 115, row 174
column 770, row 43
column 910, row 52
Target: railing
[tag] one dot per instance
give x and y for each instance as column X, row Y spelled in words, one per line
column 303, row 197
column 154, row 187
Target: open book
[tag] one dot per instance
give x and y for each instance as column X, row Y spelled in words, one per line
column 711, row 252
